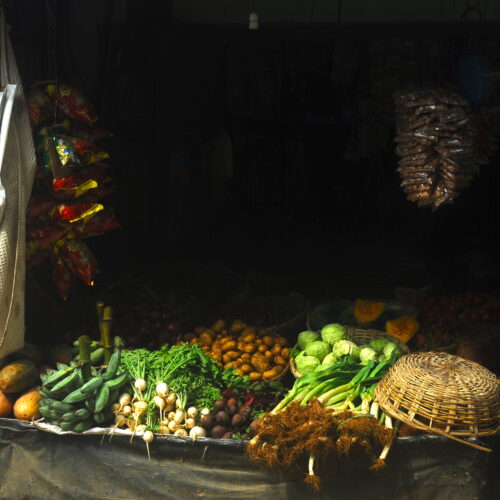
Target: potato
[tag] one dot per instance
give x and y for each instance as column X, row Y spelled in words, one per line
column 280, row 340
column 262, row 348
column 268, row 354
column 193, row 341
column 233, row 354
column 249, row 337
column 280, row 360
column 258, row 341
column 276, row 350
column 269, row 374
column 229, row 346
column 260, row 362
column 226, row 358
column 285, row 352
column 217, row 356
column 225, row 339
column 255, row 375
column 249, row 348
column 245, row 356
column 239, row 372
column 268, row 340
column 237, row 326
column 219, row 325
column 231, row 364
column 246, row 368
column 238, row 363
column 206, row 338
column 249, row 330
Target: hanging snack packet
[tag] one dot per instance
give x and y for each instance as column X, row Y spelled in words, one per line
column 74, row 211
column 62, row 277
column 72, row 103
column 39, row 205
column 73, row 186
column 102, row 223
column 42, row 238
column 79, row 259
column 87, row 151
column 39, row 107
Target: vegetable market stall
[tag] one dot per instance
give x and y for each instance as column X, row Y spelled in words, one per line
column 40, row 465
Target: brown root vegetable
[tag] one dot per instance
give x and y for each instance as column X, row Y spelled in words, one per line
column 218, row 431
column 207, row 421
column 222, row 418
column 237, row 420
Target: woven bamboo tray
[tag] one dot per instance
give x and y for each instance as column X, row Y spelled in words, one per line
column 443, row 394
column 359, row 336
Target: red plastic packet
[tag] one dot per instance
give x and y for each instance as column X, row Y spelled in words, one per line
column 38, row 105
column 102, row 223
column 39, row 205
column 74, row 211
column 79, row 259
column 42, row 238
column 62, row 277
column 72, row 103
column 73, row 186
column 88, row 152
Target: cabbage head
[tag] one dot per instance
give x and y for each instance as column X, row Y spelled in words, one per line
column 391, row 348
column 318, row 349
column 330, row 359
column 367, row 354
column 332, row 333
column 378, row 344
column 306, row 364
column 345, row 347
column 305, row 338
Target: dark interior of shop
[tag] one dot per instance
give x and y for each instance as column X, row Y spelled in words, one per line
column 263, row 156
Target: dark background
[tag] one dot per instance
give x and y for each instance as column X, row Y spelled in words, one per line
column 313, row 203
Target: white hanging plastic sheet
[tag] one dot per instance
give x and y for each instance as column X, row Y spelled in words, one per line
column 17, row 168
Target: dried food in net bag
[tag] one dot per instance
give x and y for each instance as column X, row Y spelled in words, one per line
column 74, row 211
column 39, row 107
column 102, row 223
column 79, row 259
column 72, row 103
column 62, row 277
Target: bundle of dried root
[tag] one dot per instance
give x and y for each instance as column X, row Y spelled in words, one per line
column 313, row 430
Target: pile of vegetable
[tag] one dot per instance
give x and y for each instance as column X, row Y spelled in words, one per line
column 255, row 352
column 331, row 344
column 79, row 396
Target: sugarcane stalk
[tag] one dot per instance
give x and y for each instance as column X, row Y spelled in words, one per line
column 107, row 341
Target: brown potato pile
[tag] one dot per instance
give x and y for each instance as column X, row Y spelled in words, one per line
column 255, row 352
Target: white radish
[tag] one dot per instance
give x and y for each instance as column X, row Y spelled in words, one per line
column 178, row 403
column 163, row 429
column 126, row 411
column 190, row 423
column 192, row 412
column 160, row 404
column 171, row 415
column 171, row 399
column 168, row 408
column 148, row 437
column 140, row 408
column 140, row 385
column 181, row 433
column 115, row 407
column 124, row 399
column 180, row 416
column 161, row 389
column 197, row 432
column 173, row 426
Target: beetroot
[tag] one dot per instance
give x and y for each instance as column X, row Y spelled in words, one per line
column 237, row 420
column 222, row 418
column 218, row 431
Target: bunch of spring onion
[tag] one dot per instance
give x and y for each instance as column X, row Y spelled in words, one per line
column 346, row 385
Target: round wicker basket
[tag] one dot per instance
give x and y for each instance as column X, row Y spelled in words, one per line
column 359, row 336
column 442, row 393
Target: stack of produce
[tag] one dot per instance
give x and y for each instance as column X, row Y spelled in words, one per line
column 256, row 352
column 331, row 344
column 72, row 178
column 79, row 396
column 435, row 140
column 331, row 409
column 177, row 390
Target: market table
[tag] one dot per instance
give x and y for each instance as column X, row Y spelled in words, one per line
column 45, row 466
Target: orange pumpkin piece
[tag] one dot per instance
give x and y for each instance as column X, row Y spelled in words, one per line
column 366, row 312
column 403, row 328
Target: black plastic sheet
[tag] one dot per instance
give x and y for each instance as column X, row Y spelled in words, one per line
column 40, row 465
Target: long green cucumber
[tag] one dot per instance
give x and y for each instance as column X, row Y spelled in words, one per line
column 75, row 397
column 101, row 399
column 92, row 385
column 113, row 365
column 117, row 382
